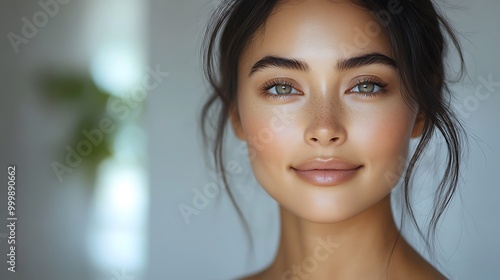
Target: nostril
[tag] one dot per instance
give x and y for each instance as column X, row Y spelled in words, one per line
column 324, row 141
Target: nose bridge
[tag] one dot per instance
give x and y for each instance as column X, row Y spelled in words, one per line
column 326, row 115
column 326, row 108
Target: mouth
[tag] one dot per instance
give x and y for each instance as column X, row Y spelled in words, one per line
column 326, row 171
column 326, row 177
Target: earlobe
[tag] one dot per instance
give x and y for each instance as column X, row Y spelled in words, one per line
column 234, row 117
column 418, row 127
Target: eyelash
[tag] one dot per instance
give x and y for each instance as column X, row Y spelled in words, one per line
column 372, row 80
column 272, row 83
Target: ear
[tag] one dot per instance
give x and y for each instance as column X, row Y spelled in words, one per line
column 418, row 127
column 234, row 117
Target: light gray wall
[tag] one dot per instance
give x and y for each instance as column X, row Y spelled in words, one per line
column 212, row 245
column 52, row 217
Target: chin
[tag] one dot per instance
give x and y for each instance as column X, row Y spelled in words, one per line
column 329, row 205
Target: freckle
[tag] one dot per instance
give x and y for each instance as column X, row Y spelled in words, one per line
column 328, row 110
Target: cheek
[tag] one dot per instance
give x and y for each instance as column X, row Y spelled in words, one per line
column 266, row 136
column 272, row 135
column 383, row 139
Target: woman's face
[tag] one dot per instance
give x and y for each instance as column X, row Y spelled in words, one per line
column 320, row 105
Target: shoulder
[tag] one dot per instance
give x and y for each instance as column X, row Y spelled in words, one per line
column 412, row 266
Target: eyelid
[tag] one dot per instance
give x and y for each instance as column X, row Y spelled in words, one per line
column 279, row 81
column 367, row 79
column 352, row 84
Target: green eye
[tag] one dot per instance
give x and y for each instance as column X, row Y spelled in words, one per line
column 366, row 87
column 282, row 89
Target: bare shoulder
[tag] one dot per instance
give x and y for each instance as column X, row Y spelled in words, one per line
column 406, row 264
column 425, row 271
column 419, row 271
column 413, row 266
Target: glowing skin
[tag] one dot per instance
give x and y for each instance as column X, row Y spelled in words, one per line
column 325, row 115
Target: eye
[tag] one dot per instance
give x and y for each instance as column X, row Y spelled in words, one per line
column 282, row 88
column 366, row 87
column 279, row 88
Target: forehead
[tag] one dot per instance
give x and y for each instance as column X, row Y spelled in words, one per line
column 317, row 29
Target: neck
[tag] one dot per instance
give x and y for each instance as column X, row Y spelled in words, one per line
column 358, row 248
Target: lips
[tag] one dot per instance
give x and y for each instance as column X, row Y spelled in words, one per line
column 326, row 171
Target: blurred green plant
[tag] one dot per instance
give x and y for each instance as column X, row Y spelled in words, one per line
column 80, row 94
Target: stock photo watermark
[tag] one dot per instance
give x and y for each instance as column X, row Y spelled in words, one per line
column 391, row 177
column 31, row 26
column 309, row 265
column 482, row 92
column 363, row 37
column 201, row 198
column 12, row 218
column 121, row 108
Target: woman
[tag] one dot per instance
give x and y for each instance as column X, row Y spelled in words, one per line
column 327, row 95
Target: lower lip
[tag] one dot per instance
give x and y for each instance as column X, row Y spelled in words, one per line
column 326, row 177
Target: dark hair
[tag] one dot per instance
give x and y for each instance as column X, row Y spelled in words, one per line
column 418, row 44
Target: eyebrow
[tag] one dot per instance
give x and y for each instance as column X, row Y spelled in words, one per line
column 365, row 60
column 344, row 64
column 280, row 62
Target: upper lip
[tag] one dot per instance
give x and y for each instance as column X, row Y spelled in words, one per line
column 326, row 164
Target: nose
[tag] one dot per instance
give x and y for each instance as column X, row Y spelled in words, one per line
column 323, row 138
column 325, row 126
